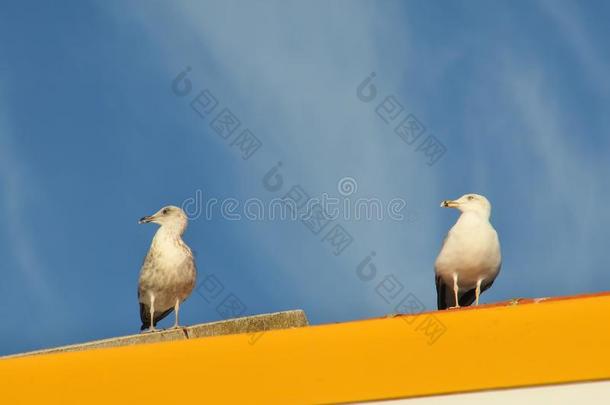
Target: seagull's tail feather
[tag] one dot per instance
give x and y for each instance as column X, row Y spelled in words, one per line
column 145, row 316
column 467, row 298
column 441, row 294
column 160, row 315
column 470, row 296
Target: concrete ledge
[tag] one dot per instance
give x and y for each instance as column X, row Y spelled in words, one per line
column 255, row 326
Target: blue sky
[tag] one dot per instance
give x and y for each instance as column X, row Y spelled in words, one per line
column 92, row 138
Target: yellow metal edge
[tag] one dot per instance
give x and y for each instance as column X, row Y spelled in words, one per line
column 554, row 342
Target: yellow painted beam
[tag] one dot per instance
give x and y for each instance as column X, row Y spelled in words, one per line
column 554, row 341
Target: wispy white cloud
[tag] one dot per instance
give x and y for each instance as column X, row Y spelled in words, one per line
column 565, row 190
column 15, row 180
column 293, row 69
column 570, row 23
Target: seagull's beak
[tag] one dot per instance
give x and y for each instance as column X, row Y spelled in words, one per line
column 450, row 204
column 145, row 220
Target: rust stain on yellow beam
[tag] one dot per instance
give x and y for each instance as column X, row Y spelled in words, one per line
column 554, row 341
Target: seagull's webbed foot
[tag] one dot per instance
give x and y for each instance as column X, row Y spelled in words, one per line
column 150, row 330
column 455, row 307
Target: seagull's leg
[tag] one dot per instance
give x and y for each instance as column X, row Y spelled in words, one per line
column 477, row 292
column 455, row 290
column 176, row 308
column 152, row 313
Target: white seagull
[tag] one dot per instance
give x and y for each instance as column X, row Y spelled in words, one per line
column 470, row 257
column 168, row 274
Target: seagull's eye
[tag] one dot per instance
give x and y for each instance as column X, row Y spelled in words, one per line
column 471, row 197
column 165, row 211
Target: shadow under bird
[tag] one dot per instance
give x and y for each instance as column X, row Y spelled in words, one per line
column 168, row 273
column 470, row 258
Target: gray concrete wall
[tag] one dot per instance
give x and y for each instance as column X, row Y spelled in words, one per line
column 254, row 326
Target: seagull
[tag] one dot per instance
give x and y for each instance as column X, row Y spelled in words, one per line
column 470, row 258
column 168, row 274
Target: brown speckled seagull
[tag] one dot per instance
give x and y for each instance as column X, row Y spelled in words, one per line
column 168, row 274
